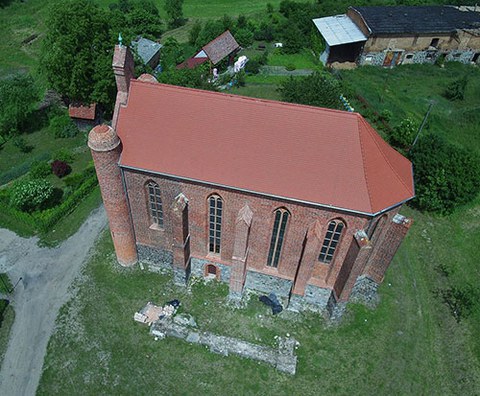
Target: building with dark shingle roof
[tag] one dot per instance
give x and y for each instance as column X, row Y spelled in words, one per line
column 215, row 51
column 147, row 50
column 394, row 35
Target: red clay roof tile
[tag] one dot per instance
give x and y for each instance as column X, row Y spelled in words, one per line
column 84, row 112
column 310, row 154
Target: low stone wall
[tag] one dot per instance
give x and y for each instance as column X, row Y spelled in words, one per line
column 283, row 358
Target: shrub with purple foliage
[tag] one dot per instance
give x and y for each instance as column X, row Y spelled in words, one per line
column 60, row 168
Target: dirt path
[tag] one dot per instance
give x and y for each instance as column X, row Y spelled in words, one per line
column 44, row 288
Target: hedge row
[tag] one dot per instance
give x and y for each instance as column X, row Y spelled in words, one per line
column 22, row 169
column 48, row 218
column 45, row 220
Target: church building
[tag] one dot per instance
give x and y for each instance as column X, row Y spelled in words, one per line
column 266, row 196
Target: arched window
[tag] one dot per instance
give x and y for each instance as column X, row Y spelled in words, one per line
column 155, row 203
column 332, row 237
column 215, row 223
column 278, row 234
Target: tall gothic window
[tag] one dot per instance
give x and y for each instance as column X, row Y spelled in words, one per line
column 332, row 237
column 215, row 223
column 155, row 203
column 278, row 234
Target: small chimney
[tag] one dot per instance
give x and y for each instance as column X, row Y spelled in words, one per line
column 123, row 67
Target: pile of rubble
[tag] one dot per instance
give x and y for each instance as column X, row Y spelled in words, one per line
column 151, row 313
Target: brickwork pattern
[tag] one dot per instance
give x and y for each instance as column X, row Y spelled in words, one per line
column 302, row 217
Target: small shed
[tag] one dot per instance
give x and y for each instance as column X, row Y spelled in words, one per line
column 215, row 51
column 147, row 50
column 344, row 40
column 84, row 116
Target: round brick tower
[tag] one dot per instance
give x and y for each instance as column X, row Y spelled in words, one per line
column 106, row 148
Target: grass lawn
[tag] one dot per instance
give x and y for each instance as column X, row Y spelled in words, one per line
column 302, row 60
column 213, row 8
column 408, row 90
column 409, row 345
column 44, row 144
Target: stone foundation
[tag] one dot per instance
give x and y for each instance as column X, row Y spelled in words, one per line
column 365, row 292
column 316, row 299
column 157, row 260
column 198, row 269
column 283, row 358
column 268, row 284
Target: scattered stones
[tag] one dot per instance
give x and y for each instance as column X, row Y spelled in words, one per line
column 283, row 358
column 185, row 320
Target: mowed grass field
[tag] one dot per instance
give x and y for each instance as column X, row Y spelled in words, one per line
column 409, row 345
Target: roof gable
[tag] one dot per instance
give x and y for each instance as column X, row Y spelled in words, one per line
column 220, row 47
column 303, row 153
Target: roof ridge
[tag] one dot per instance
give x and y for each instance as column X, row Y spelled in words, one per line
column 359, row 119
column 243, row 98
column 380, row 149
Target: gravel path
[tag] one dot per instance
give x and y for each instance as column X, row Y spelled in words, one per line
column 46, row 276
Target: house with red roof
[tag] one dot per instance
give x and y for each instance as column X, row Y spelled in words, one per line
column 273, row 197
column 214, row 52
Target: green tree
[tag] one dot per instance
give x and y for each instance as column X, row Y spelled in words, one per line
column 76, row 51
column 174, row 9
column 211, row 30
column 192, row 78
column 194, row 32
column 172, row 54
column 445, row 175
column 318, row 89
column 18, row 97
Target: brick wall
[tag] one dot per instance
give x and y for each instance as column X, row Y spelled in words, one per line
column 302, row 217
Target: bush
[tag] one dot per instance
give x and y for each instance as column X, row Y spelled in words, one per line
column 318, row 89
column 244, row 37
column 64, row 155
column 30, row 195
column 290, row 67
column 252, row 66
column 240, row 78
column 63, row 127
column 456, row 89
column 21, row 144
column 40, row 170
column 445, row 175
column 60, row 168
column 386, row 115
column 402, row 135
column 461, row 300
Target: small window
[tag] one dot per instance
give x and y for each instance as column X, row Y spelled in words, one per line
column 278, row 235
column 409, row 56
column 434, row 42
column 330, row 243
column 155, row 203
column 215, row 223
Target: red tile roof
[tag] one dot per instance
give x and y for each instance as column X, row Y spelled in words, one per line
column 191, row 63
column 220, row 47
column 84, row 112
column 309, row 154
